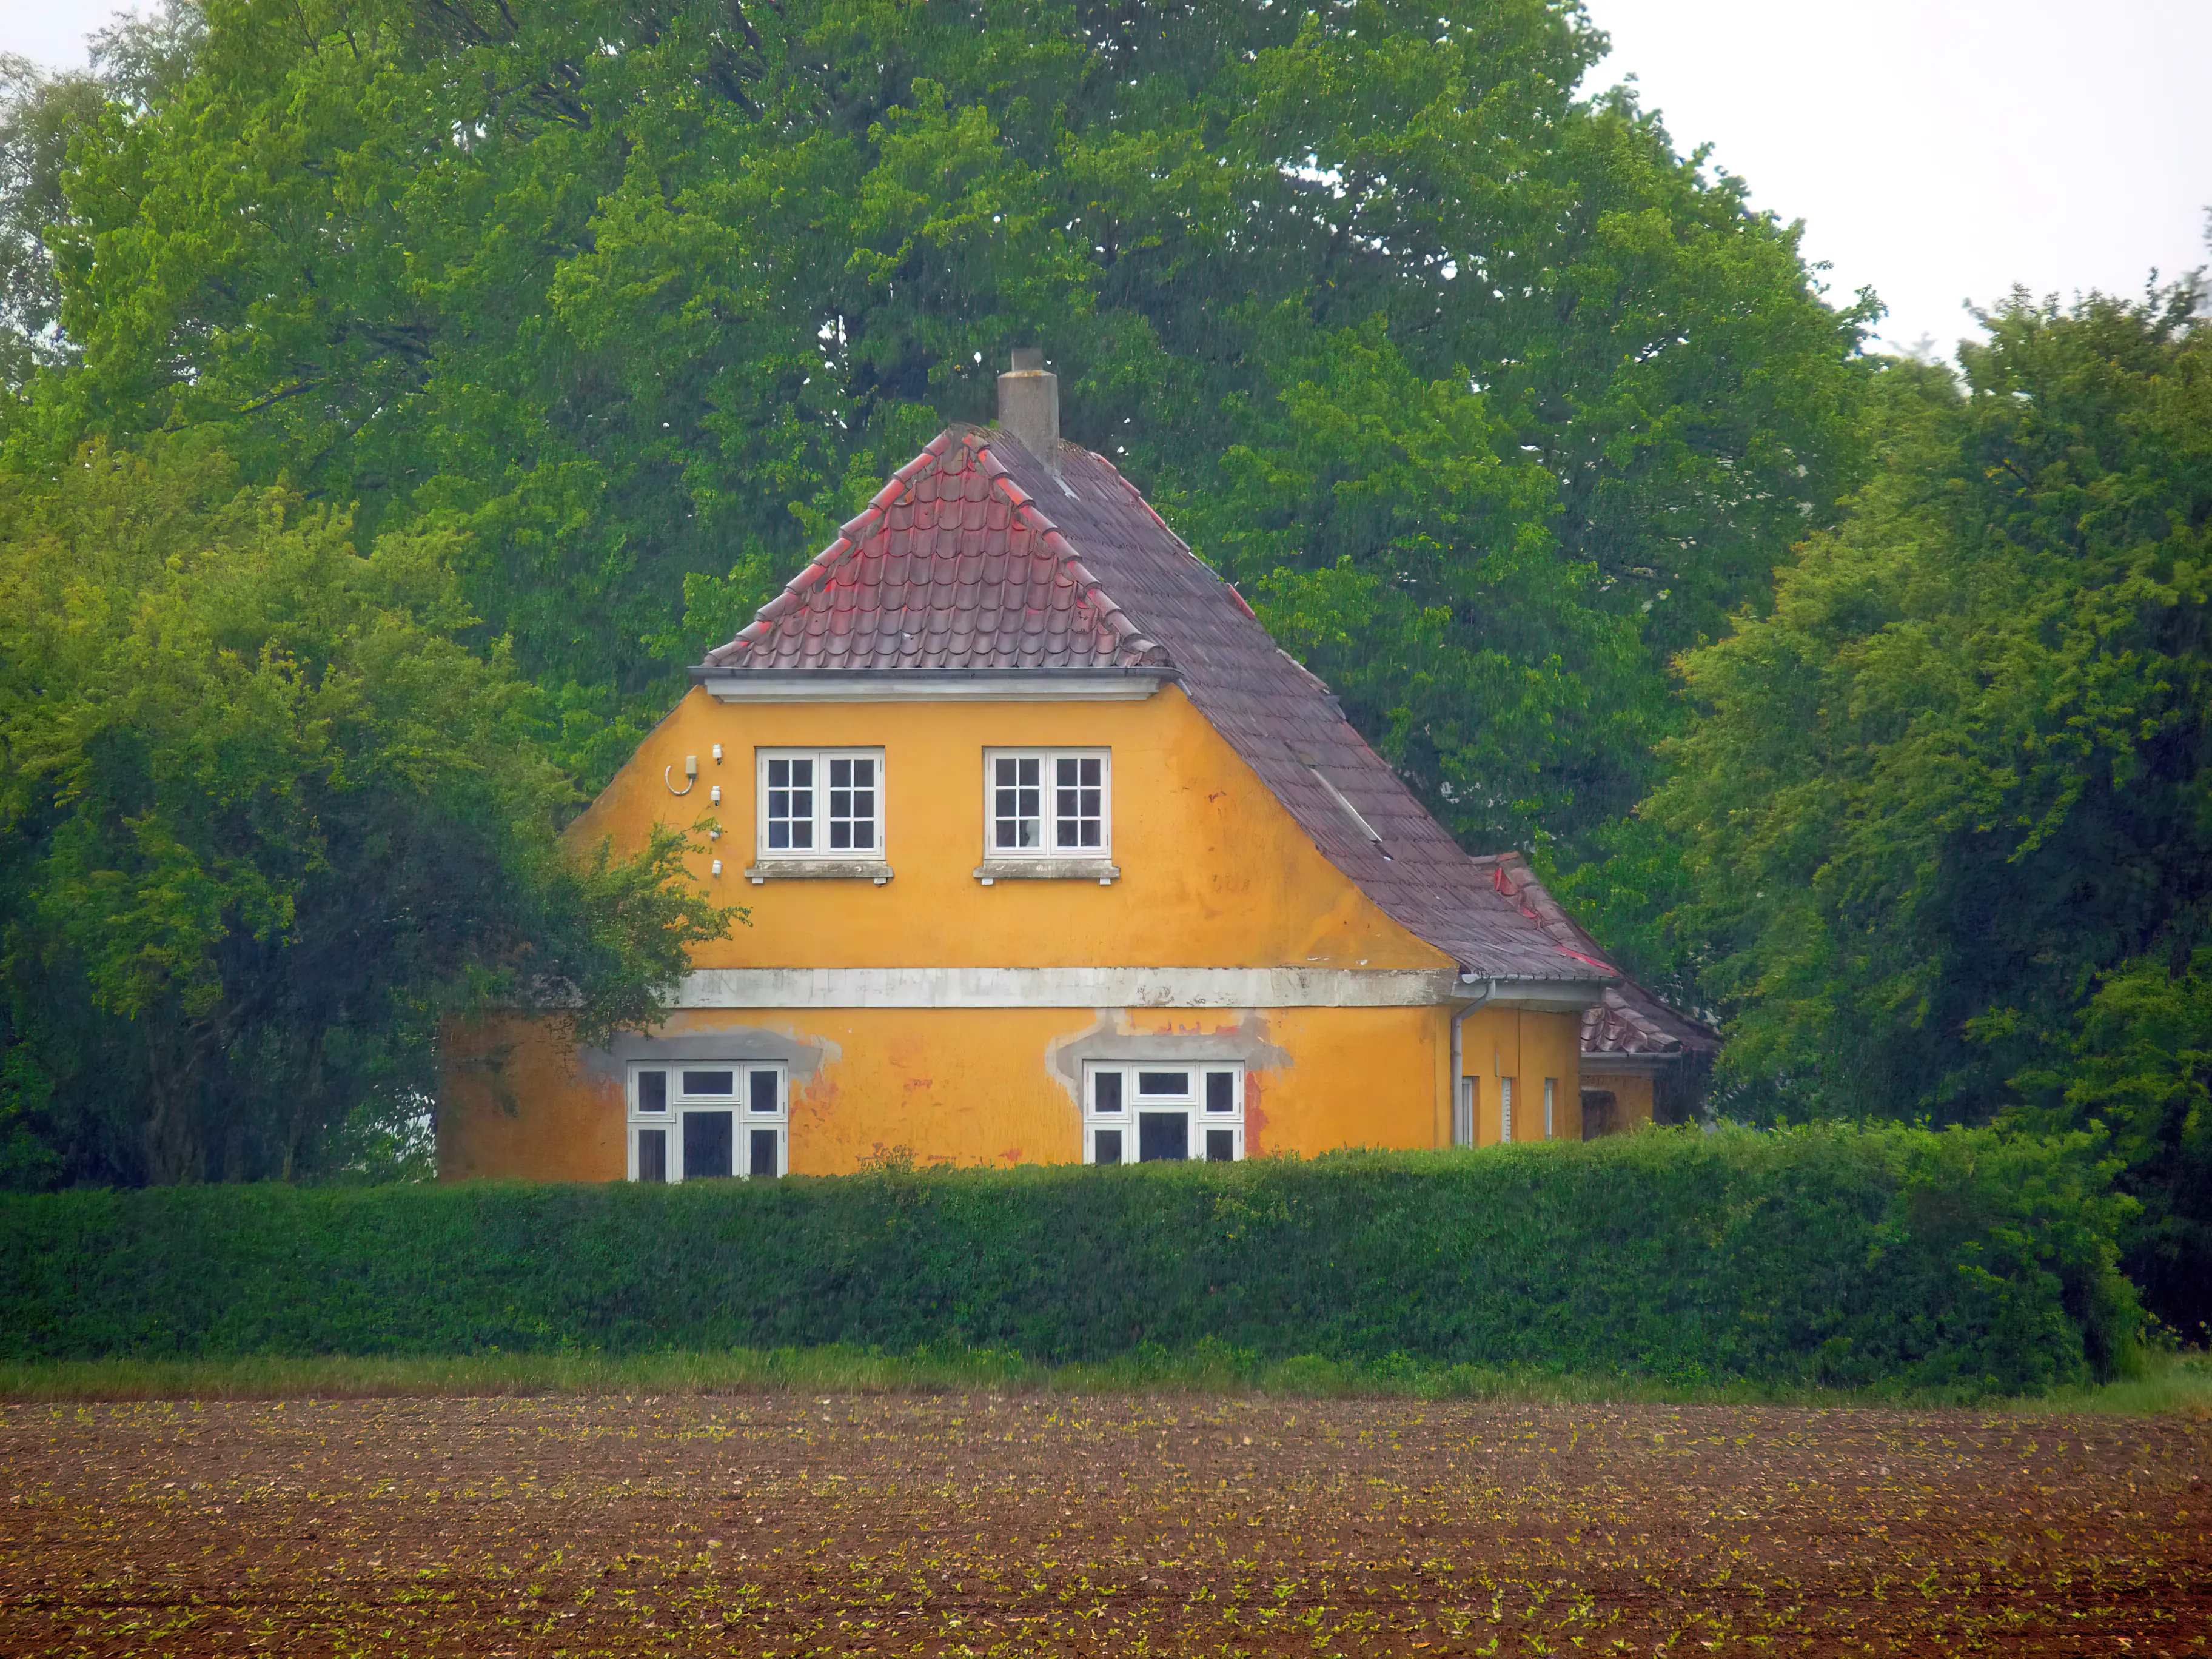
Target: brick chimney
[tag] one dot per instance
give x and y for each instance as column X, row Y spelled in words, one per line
column 1029, row 405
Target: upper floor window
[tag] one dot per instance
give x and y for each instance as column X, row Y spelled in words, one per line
column 1049, row 803
column 821, row 803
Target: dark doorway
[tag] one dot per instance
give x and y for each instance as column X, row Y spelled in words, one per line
column 707, row 1145
column 1162, row 1135
column 1600, row 1114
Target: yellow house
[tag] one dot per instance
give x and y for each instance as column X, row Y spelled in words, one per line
column 1051, row 856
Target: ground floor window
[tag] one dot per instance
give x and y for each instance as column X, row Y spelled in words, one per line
column 704, row 1120
column 1148, row 1112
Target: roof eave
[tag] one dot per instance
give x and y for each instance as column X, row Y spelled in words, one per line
column 1528, row 992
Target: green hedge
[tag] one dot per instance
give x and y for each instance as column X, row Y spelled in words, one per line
column 1856, row 1257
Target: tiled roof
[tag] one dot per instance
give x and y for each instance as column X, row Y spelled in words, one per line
column 978, row 555
column 945, row 569
column 1629, row 1020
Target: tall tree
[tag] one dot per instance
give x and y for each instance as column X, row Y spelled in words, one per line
column 638, row 296
column 136, row 61
column 267, row 820
column 1947, row 812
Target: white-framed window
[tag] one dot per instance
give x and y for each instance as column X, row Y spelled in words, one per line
column 1550, row 1088
column 1142, row 1111
column 699, row 1120
column 821, row 804
column 1047, row 803
column 1504, row 1110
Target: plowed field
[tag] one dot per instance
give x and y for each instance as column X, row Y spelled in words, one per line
column 954, row 1525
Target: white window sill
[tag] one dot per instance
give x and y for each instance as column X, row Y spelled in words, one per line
column 1104, row 872
column 769, row 870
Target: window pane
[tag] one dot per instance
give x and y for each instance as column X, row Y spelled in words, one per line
column 653, row 1154
column 1163, row 1083
column 1077, row 793
column 1220, row 1092
column 852, row 804
column 762, row 1097
column 1162, row 1137
column 761, row 1159
column 1016, row 811
column 1106, row 1146
column 653, row 1091
column 1221, row 1145
column 706, row 1137
column 791, row 805
column 710, row 1083
column 1106, row 1091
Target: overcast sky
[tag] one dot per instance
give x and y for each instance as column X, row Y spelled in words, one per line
column 1939, row 150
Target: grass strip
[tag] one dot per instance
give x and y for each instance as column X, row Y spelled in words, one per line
column 2170, row 1384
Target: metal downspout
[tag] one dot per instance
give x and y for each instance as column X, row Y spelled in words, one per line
column 1458, row 1053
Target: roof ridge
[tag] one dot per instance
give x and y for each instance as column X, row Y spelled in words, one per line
column 1133, row 638
column 1133, row 647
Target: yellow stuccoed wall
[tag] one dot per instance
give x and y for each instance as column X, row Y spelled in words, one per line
column 1215, row 873
column 1632, row 1093
column 965, row 1086
column 1529, row 1047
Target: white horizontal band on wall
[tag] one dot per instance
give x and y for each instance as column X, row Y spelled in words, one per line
column 1108, row 987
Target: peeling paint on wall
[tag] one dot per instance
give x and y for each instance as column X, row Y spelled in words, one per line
column 1113, row 1035
column 804, row 1056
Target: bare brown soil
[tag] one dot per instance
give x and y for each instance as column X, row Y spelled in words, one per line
column 952, row 1525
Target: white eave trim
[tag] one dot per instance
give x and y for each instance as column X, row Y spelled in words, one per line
column 931, row 684
column 1603, row 1063
column 1108, row 987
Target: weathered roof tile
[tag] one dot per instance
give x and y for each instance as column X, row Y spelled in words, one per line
column 1076, row 571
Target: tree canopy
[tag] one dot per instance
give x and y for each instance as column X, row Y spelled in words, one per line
column 640, row 298
column 1944, row 819
column 266, row 819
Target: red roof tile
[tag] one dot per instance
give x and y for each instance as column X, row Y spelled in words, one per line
column 1074, row 570
column 948, row 567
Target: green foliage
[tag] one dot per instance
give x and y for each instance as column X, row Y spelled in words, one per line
column 2138, row 1067
column 1964, row 766
column 645, row 301
column 1893, row 1257
column 137, row 59
column 269, row 813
